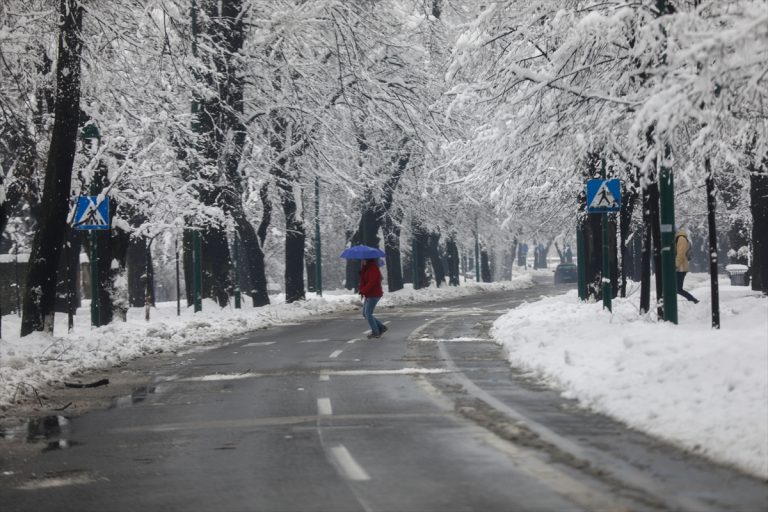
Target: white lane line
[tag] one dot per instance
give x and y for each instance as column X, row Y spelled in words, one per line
column 324, row 407
column 335, row 354
column 259, row 344
column 350, row 342
column 348, row 466
column 324, row 377
column 320, row 340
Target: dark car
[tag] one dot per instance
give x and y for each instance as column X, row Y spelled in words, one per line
column 566, row 273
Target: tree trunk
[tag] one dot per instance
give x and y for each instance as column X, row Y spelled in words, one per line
column 419, row 259
column 625, row 219
column 216, row 264
column 40, row 289
column 139, row 264
column 645, row 258
column 453, row 261
column 294, row 243
column 433, row 251
column 485, row 268
column 758, row 194
column 391, row 230
column 655, row 221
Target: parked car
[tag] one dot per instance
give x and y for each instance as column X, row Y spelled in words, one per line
column 566, row 273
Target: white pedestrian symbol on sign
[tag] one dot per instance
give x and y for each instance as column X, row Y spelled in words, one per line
column 604, row 198
column 92, row 216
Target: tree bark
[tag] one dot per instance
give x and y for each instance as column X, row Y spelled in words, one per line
column 294, row 242
column 758, row 194
column 40, row 289
column 625, row 219
column 392, row 250
column 140, row 274
column 453, row 261
column 485, row 268
column 433, row 250
column 655, row 222
column 419, row 260
column 645, row 258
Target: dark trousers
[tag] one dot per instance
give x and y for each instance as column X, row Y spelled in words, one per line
column 680, row 291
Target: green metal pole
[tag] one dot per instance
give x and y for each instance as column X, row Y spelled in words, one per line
column 318, row 247
column 95, row 313
column 237, row 272
column 197, row 266
column 606, row 252
column 667, row 214
column 581, row 261
column 606, row 277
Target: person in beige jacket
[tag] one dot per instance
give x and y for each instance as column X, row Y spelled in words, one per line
column 682, row 255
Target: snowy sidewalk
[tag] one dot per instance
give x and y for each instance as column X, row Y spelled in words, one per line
column 40, row 359
column 703, row 389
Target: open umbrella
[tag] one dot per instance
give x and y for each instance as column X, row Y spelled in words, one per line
column 362, row 252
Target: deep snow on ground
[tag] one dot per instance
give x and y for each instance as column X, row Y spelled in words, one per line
column 703, row 389
column 30, row 362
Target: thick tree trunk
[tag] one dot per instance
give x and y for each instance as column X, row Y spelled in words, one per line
column 419, row 259
column 140, row 272
column 625, row 220
column 758, row 195
column 655, row 221
column 433, row 251
column 186, row 256
column 485, row 268
column 216, row 264
column 294, row 242
column 453, row 261
column 254, row 255
column 392, row 249
column 40, row 289
column 645, row 258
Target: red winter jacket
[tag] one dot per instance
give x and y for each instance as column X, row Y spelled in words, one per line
column 370, row 280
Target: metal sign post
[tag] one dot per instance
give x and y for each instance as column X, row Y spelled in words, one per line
column 92, row 214
column 603, row 197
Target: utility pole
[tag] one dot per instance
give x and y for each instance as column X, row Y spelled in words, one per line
column 318, row 248
column 667, row 214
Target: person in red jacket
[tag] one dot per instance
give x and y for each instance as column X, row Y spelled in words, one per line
column 370, row 289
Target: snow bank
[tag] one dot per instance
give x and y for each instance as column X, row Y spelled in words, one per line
column 703, row 389
column 41, row 359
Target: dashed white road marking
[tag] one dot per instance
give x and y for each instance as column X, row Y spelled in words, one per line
column 324, row 407
column 350, row 342
column 324, row 377
column 335, row 354
column 321, row 340
column 347, row 465
column 259, row 344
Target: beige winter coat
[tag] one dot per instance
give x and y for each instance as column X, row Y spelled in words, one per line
column 681, row 251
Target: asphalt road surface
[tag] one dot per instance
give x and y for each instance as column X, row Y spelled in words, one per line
column 315, row 417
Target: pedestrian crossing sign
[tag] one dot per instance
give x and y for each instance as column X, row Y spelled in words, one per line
column 92, row 213
column 603, row 196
